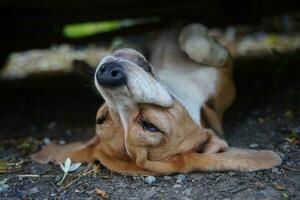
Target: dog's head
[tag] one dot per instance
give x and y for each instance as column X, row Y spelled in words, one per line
column 126, row 79
column 152, row 119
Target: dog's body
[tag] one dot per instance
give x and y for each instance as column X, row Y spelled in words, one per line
column 199, row 82
column 154, row 119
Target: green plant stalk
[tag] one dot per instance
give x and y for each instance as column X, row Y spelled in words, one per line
column 63, row 178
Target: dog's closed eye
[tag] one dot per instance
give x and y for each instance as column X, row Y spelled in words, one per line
column 101, row 119
column 147, row 126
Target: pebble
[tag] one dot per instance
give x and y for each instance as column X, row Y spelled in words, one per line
column 4, row 187
column 231, row 173
column 150, row 179
column 180, row 178
column 167, row 178
column 47, row 141
column 188, row 191
column 238, row 189
column 51, row 125
column 280, row 154
column 177, row 186
column 62, row 142
column 276, row 170
column 253, row 145
column 68, row 132
column 33, row 190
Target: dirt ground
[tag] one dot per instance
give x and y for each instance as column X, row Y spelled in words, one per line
column 264, row 116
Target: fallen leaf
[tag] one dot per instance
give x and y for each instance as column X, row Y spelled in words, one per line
column 261, row 120
column 101, row 193
column 3, row 166
column 278, row 187
column 288, row 114
column 285, row 195
column 293, row 137
column 106, row 177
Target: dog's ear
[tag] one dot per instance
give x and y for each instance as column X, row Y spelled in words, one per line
column 83, row 69
column 233, row 159
column 77, row 152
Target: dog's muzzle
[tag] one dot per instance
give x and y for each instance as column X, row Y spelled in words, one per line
column 111, row 75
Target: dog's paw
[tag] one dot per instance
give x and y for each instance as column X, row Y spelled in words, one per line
column 48, row 154
column 214, row 144
column 202, row 48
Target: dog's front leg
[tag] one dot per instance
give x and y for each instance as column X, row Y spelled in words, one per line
column 77, row 152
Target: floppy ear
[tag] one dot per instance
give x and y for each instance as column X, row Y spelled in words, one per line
column 77, row 152
column 233, row 159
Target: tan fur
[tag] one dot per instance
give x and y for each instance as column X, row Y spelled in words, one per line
column 182, row 144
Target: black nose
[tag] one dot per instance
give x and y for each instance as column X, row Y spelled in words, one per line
column 111, row 75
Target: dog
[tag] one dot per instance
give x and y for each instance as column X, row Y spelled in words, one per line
column 164, row 116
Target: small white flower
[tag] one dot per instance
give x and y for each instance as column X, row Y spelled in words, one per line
column 68, row 167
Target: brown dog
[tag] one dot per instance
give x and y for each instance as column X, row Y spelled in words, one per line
column 153, row 120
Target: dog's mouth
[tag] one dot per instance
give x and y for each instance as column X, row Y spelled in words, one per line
column 126, row 79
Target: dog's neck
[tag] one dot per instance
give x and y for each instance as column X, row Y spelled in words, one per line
column 190, row 91
column 191, row 83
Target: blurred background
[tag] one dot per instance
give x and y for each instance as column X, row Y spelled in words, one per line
column 45, row 98
column 42, row 42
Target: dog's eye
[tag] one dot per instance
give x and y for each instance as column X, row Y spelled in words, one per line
column 101, row 120
column 148, row 126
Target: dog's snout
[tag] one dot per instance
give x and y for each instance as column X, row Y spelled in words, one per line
column 111, row 75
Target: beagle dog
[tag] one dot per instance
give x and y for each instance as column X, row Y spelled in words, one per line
column 164, row 116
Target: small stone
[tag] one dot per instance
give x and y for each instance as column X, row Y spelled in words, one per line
column 180, row 178
column 33, row 190
column 278, row 187
column 76, row 191
column 68, row 132
column 47, row 141
column 188, row 191
column 261, row 120
column 231, row 173
column 51, row 125
column 150, row 179
column 288, row 114
column 275, row 170
column 177, row 186
column 62, row 142
column 253, row 146
column 167, row 178
column 280, row 154
column 238, row 189
column 4, row 187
